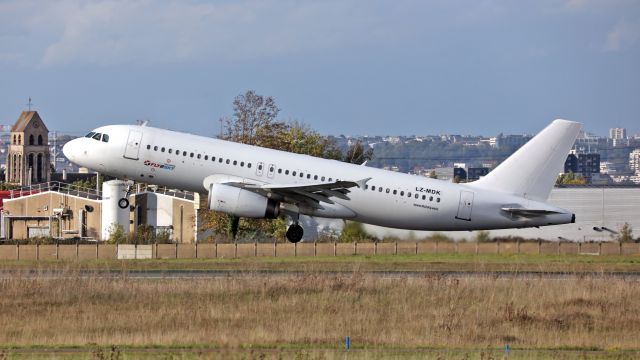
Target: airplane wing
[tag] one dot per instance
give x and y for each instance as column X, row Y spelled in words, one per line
column 308, row 194
column 528, row 212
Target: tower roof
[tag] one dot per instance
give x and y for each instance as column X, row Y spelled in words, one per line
column 26, row 118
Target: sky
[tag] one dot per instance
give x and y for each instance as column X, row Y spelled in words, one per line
column 352, row 67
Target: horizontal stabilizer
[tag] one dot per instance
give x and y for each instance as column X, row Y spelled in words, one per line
column 528, row 212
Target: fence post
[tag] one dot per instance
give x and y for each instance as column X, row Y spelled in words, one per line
column 559, row 246
column 315, row 248
column 375, row 247
column 255, row 248
column 77, row 250
column 416, row 248
column 600, row 248
column 579, row 248
column 436, row 246
column 539, row 247
column 215, row 249
column 275, row 248
column 97, row 250
column 235, row 249
column 38, row 251
column 355, row 248
column 17, row 251
column 295, row 249
column 335, row 248
column 476, row 247
column 155, row 256
column 196, row 246
column 395, row 248
column 619, row 247
column 57, row 250
column 456, row 248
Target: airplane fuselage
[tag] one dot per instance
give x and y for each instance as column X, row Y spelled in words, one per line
column 390, row 199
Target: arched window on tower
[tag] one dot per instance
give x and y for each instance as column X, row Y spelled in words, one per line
column 31, row 139
column 39, row 139
column 14, row 140
column 19, row 139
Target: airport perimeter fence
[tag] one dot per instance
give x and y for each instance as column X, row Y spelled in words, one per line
column 244, row 250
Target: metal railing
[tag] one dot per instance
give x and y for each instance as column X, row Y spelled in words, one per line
column 57, row 186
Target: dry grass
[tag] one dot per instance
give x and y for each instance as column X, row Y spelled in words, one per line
column 318, row 310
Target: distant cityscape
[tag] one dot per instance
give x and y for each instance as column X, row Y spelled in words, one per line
column 597, row 160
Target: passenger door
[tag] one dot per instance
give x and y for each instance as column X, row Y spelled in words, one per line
column 132, row 148
column 465, row 205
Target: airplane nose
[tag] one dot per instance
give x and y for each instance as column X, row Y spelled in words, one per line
column 69, row 149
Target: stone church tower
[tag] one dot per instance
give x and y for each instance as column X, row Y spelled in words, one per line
column 28, row 154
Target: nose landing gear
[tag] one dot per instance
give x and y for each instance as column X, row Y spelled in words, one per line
column 294, row 233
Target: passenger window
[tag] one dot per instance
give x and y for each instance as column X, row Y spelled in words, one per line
column 148, row 147
column 271, row 169
column 213, row 158
column 293, row 173
column 301, row 175
column 308, row 176
column 199, row 156
column 190, row 154
column 105, row 138
column 279, row 171
column 330, row 180
column 366, row 187
column 155, row 148
column 388, row 190
column 438, row 200
column 417, row 195
column 408, row 194
column 323, row 178
column 315, row 177
column 380, row 189
column 184, row 153
column 249, row 165
column 235, row 162
column 169, row 151
column 259, row 166
column 241, row 163
column 395, row 192
column 286, row 172
column 228, row 161
column 401, row 193
column 206, row 157
column 177, row 152
column 162, row 149
column 373, row 188
column 430, row 198
column 424, row 197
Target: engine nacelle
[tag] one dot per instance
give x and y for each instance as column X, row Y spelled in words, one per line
column 235, row 201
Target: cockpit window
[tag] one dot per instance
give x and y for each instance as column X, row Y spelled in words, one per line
column 105, row 138
column 97, row 136
column 90, row 134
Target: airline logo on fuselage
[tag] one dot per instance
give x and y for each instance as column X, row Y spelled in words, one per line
column 428, row 191
column 155, row 165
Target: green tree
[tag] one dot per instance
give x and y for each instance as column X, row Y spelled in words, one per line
column 353, row 231
column 625, row 233
column 433, row 175
column 356, row 154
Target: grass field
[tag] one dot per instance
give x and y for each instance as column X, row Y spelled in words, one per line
column 422, row 262
column 307, row 316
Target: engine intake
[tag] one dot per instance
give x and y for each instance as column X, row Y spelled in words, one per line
column 236, row 201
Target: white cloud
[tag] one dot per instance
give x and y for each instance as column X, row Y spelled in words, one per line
column 624, row 35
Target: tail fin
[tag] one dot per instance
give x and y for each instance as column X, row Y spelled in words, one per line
column 531, row 171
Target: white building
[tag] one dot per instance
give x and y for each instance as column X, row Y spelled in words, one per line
column 634, row 161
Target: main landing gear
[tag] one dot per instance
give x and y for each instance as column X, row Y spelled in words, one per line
column 294, row 233
column 123, row 203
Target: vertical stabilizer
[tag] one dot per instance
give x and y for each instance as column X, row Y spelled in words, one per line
column 531, row 171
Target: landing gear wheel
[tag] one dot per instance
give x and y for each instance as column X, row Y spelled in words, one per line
column 123, row 203
column 294, row 233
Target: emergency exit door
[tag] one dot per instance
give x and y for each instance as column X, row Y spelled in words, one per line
column 465, row 205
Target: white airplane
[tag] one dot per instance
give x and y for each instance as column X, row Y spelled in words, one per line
column 255, row 182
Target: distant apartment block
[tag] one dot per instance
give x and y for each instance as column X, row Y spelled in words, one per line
column 634, row 161
column 618, row 133
column 583, row 164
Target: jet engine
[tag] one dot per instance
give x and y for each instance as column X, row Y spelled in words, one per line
column 236, row 201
